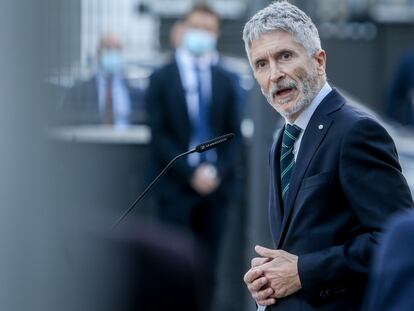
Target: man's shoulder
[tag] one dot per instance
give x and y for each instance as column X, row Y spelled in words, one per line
column 221, row 70
column 402, row 225
column 224, row 78
column 349, row 120
column 350, row 112
column 352, row 122
column 166, row 69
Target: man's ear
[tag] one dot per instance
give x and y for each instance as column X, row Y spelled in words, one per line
column 320, row 58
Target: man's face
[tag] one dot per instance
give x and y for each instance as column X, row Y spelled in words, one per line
column 288, row 76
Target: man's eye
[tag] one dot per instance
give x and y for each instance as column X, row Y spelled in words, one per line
column 286, row 56
column 260, row 64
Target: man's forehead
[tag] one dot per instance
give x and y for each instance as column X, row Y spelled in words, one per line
column 275, row 40
column 197, row 14
column 203, row 20
column 110, row 42
column 274, row 36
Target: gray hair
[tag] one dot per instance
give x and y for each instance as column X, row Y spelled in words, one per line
column 282, row 15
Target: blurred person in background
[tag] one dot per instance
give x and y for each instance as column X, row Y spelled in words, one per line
column 400, row 96
column 335, row 178
column 391, row 285
column 189, row 101
column 107, row 97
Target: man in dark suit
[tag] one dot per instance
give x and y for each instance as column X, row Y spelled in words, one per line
column 391, row 285
column 335, row 178
column 189, row 101
column 106, row 97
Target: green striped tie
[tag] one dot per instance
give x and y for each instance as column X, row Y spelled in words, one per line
column 287, row 158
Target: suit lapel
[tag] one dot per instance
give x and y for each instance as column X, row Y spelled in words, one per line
column 180, row 108
column 216, row 93
column 275, row 208
column 313, row 137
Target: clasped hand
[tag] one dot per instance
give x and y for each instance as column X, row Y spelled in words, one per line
column 274, row 275
column 205, row 179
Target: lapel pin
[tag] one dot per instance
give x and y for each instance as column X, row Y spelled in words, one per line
column 320, row 127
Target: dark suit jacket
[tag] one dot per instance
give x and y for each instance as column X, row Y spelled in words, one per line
column 391, row 285
column 346, row 183
column 172, row 130
column 81, row 104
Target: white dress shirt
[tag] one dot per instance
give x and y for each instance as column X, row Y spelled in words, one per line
column 302, row 121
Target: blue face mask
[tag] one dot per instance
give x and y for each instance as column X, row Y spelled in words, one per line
column 111, row 61
column 199, row 41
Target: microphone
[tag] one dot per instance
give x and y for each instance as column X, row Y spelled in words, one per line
column 214, row 142
column 199, row 148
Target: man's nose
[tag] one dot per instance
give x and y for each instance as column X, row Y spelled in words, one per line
column 276, row 73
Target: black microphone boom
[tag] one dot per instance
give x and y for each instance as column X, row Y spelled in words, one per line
column 200, row 148
column 213, row 142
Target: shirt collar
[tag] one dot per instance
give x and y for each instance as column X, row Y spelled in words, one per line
column 101, row 75
column 187, row 60
column 303, row 119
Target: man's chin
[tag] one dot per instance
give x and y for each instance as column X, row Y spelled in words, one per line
column 285, row 109
column 289, row 112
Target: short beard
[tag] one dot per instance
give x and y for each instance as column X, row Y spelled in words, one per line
column 309, row 87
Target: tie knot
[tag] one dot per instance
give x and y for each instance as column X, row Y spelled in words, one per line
column 290, row 135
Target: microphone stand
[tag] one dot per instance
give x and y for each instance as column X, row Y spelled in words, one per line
column 150, row 186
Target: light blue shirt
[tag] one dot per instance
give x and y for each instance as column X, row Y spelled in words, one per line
column 186, row 66
column 121, row 99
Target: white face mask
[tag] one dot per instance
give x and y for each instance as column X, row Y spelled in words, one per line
column 111, row 61
column 199, row 41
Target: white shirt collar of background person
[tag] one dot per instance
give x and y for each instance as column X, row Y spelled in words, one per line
column 303, row 119
column 186, row 59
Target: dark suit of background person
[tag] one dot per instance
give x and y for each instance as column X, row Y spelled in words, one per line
column 400, row 95
column 345, row 184
column 391, row 285
column 106, row 97
column 84, row 106
column 173, row 130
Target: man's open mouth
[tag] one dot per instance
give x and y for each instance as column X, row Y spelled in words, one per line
column 283, row 92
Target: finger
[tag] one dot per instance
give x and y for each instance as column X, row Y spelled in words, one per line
column 266, row 302
column 258, row 261
column 252, row 275
column 257, row 284
column 265, row 252
column 281, row 293
column 264, row 294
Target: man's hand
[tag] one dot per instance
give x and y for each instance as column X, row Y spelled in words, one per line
column 281, row 271
column 257, row 284
column 205, row 179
